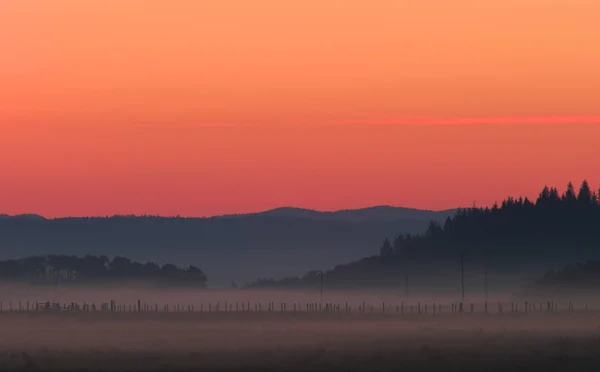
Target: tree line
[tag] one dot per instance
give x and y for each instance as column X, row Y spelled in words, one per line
column 97, row 270
column 552, row 221
column 553, row 226
column 579, row 274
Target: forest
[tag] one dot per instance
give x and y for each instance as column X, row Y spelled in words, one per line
column 553, row 228
column 552, row 221
column 54, row 269
column 578, row 274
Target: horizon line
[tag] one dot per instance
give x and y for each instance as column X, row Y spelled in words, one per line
column 227, row 214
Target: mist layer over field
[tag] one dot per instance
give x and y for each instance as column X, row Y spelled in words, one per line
column 391, row 298
column 364, row 337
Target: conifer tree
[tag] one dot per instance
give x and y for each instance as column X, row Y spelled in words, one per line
column 386, row 248
column 584, row 198
column 569, row 196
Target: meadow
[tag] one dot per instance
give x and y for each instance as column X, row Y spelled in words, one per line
column 557, row 339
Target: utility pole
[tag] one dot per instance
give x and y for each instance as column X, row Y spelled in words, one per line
column 462, row 276
column 485, row 283
column 321, row 275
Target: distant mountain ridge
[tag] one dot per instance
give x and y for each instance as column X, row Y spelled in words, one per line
column 377, row 213
column 275, row 243
column 23, row 216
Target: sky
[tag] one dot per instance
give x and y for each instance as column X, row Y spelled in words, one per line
column 199, row 108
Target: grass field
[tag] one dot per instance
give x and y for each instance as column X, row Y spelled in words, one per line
column 298, row 342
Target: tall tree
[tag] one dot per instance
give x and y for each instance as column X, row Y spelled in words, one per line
column 554, row 196
column 434, row 229
column 569, row 196
column 386, row 248
column 544, row 196
column 398, row 243
column 584, row 198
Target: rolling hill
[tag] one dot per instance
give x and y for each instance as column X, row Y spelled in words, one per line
column 274, row 243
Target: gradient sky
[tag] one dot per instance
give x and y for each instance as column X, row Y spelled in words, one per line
column 196, row 107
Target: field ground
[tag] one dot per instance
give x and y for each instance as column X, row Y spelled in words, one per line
column 299, row 342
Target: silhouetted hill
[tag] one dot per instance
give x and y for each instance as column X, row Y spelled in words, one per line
column 517, row 237
column 23, row 216
column 377, row 213
column 280, row 242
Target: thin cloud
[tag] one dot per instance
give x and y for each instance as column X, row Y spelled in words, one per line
column 504, row 120
column 409, row 120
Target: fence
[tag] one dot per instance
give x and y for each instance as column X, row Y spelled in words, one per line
column 524, row 307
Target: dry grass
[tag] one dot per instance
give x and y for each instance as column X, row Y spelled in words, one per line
column 298, row 342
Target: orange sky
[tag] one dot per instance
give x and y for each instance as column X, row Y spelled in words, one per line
column 204, row 107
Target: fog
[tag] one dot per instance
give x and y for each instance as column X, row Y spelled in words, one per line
column 129, row 295
column 294, row 340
